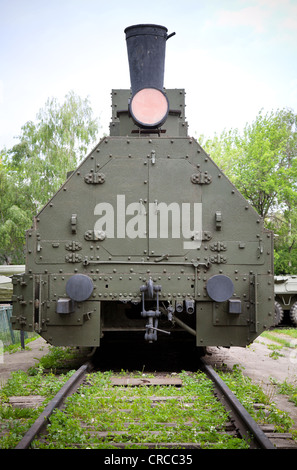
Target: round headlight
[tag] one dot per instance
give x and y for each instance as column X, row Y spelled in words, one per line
column 149, row 108
column 220, row 288
column 79, row 287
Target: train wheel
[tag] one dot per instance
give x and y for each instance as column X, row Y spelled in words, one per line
column 278, row 313
column 293, row 314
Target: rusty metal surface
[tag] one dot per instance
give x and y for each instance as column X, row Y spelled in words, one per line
column 125, row 381
column 29, row 401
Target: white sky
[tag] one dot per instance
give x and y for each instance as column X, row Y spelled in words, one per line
column 233, row 57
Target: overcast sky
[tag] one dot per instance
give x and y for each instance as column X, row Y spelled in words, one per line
column 233, row 57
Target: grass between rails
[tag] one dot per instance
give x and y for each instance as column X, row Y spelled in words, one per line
column 100, row 408
column 129, row 415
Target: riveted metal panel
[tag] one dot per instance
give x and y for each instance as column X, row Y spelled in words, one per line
column 73, row 235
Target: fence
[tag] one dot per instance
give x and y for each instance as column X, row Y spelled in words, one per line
column 7, row 334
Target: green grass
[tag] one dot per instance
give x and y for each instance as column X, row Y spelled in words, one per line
column 289, row 342
column 249, row 393
column 12, row 348
column 288, row 339
column 14, row 422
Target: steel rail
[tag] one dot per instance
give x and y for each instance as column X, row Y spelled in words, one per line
column 247, row 426
column 69, row 387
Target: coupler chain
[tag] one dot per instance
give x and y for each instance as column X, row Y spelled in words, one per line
column 152, row 326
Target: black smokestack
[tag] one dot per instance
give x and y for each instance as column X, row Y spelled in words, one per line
column 146, row 44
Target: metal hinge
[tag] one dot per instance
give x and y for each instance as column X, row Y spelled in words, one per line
column 94, row 178
column 73, row 258
column 93, row 235
column 218, row 246
column 73, row 246
column 218, row 259
column 201, row 178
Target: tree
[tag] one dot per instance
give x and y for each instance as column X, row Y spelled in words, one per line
column 15, row 218
column 34, row 168
column 52, row 146
column 262, row 163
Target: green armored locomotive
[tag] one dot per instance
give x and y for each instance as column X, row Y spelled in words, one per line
column 147, row 234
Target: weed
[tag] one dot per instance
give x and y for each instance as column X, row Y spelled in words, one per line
column 139, row 414
column 287, row 388
column 249, row 393
column 286, row 342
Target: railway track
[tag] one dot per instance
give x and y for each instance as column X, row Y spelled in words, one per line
column 131, row 398
column 42, row 421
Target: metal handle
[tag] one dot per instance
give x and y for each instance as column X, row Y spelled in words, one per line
column 170, row 36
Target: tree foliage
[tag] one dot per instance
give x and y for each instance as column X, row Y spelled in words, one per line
column 262, row 163
column 15, row 218
column 52, row 146
column 33, row 169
